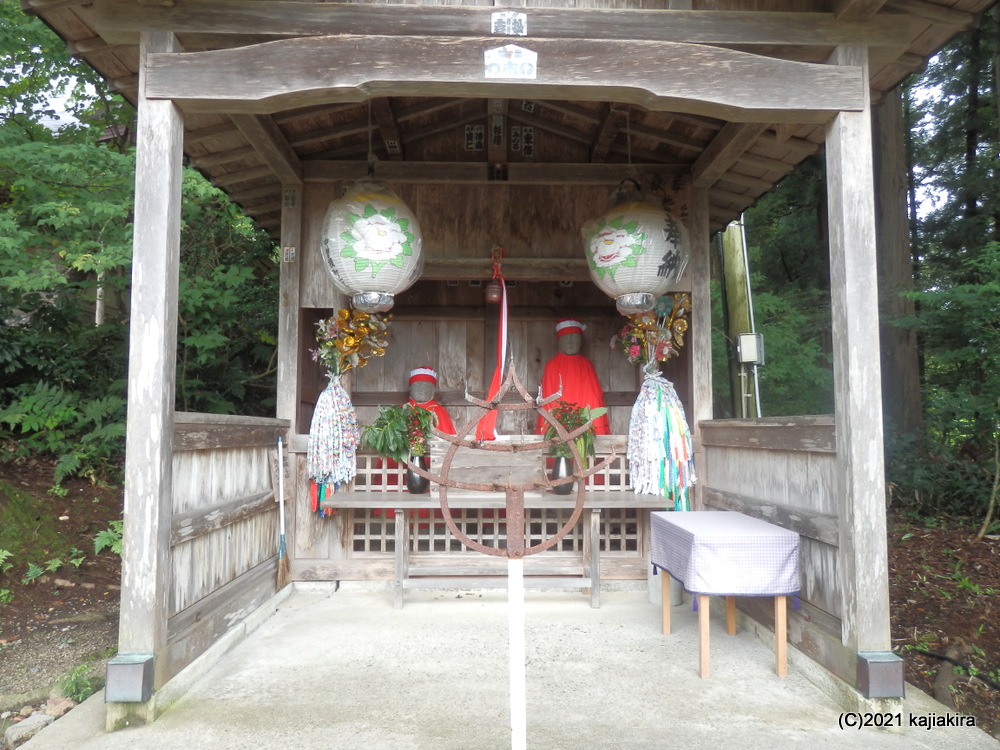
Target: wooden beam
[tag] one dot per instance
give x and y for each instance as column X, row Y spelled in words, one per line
column 192, row 524
column 856, row 10
column 271, row 145
column 514, row 269
column 724, row 151
column 518, row 173
column 387, row 128
column 957, row 19
column 615, row 25
column 611, row 125
column 723, row 83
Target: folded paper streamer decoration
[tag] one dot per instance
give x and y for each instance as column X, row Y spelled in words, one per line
column 659, row 443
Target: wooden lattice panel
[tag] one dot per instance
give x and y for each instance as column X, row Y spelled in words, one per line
column 372, row 530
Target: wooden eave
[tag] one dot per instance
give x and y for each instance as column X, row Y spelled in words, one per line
column 605, row 104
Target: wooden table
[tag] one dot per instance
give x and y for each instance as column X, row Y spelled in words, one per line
column 724, row 553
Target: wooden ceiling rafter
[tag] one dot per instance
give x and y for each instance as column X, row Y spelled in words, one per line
column 219, row 158
column 723, row 152
column 957, row 19
column 388, row 128
column 319, row 133
column 34, row 7
column 242, row 175
column 429, row 131
column 608, row 131
column 426, row 108
column 856, row 10
column 265, row 136
column 541, row 123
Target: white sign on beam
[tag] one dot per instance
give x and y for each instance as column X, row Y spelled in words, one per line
column 509, row 23
column 511, row 61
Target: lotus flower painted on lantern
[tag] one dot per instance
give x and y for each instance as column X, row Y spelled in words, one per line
column 613, row 244
column 375, row 238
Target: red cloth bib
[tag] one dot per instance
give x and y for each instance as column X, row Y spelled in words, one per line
column 579, row 386
column 443, row 420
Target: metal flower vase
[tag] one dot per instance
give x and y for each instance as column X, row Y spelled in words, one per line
column 416, row 484
column 562, row 467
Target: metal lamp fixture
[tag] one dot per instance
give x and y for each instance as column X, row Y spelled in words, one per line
column 635, row 251
column 371, row 245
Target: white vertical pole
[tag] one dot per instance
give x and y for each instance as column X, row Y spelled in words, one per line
column 515, row 634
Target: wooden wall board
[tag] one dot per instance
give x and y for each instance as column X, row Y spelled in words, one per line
column 195, row 630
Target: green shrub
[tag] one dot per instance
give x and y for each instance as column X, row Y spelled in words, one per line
column 110, row 538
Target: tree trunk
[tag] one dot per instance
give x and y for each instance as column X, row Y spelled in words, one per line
column 902, row 407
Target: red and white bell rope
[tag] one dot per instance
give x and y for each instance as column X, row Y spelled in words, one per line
column 486, row 429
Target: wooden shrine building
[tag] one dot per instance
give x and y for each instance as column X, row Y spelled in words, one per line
column 707, row 103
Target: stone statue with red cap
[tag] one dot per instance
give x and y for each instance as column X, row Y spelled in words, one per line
column 423, row 383
column 574, row 373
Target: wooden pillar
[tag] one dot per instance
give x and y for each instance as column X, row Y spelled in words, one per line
column 903, row 409
column 288, row 305
column 700, row 343
column 863, row 565
column 146, row 559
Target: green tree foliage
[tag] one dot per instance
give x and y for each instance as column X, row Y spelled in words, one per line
column 65, row 255
column 789, row 260
column 227, row 326
column 36, row 70
column 954, row 145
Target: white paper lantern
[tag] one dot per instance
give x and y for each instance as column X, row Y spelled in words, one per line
column 371, row 245
column 635, row 251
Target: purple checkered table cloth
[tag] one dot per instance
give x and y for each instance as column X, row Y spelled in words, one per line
column 725, row 553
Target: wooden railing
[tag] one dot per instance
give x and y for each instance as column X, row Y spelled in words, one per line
column 224, row 529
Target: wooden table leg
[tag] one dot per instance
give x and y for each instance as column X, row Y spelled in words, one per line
column 703, row 668
column 731, row 615
column 780, row 636
column 665, row 591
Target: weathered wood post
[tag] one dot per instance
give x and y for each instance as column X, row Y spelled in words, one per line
column 288, row 304
column 857, row 388
column 149, row 444
column 700, row 345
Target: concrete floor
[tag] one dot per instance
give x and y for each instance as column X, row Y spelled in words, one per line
column 344, row 670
